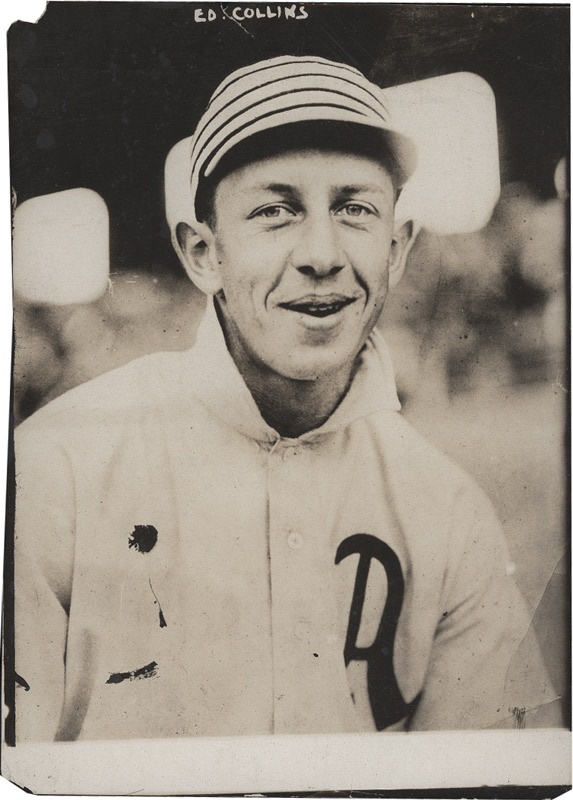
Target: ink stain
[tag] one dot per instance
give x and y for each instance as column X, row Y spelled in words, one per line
column 148, row 671
column 143, row 538
column 518, row 717
column 162, row 621
column 22, row 682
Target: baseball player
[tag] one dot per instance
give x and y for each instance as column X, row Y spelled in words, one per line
column 248, row 538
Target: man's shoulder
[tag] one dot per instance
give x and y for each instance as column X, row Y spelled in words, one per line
column 417, row 465
column 133, row 389
column 444, row 514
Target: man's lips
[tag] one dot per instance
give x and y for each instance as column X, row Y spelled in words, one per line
column 317, row 305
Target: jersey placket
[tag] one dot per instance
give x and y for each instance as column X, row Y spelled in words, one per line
column 310, row 689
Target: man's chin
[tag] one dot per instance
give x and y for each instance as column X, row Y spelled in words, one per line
column 318, row 370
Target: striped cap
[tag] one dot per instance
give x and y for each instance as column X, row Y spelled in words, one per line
column 273, row 93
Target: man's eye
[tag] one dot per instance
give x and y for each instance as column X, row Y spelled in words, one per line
column 274, row 212
column 355, row 210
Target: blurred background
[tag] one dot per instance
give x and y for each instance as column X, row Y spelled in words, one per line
column 478, row 327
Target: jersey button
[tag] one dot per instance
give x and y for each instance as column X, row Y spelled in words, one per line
column 295, row 540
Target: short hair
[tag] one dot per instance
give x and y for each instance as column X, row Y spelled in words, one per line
column 325, row 135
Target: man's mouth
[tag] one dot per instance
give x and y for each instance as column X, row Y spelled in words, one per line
column 318, row 306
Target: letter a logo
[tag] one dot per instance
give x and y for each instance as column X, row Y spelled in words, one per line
column 386, row 701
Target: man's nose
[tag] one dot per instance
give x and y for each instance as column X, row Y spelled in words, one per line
column 318, row 253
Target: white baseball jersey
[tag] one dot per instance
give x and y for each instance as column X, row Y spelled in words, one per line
column 181, row 569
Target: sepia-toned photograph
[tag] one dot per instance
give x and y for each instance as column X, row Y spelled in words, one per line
column 288, row 459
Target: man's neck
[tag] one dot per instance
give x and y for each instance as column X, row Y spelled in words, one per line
column 289, row 406
column 292, row 407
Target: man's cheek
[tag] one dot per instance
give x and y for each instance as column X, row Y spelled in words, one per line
column 244, row 297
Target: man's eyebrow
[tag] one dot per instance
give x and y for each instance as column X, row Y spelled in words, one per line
column 359, row 188
column 284, row 189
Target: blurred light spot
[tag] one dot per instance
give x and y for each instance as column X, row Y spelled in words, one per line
column 27, row 97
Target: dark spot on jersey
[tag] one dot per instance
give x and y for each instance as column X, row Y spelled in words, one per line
column 315, row 655
column 143, row 538
column 21, row 682
column 148, row 671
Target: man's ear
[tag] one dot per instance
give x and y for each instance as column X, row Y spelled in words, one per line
column 403, row 238
column 197, row 246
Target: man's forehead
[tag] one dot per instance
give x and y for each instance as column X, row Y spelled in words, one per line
column 310, row 168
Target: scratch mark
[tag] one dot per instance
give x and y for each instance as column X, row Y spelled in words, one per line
column 524, row 713
column 558, row 382
column 21, row 682
column 530, row 627
column 236, row 21
column 518, row 717
column 148, row 671
column 162, row 622
column 143, row 538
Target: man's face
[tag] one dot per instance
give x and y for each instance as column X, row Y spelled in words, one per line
column 301, row 246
